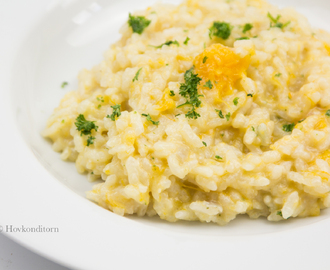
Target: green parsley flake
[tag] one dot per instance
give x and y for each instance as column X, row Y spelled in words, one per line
column 149, row 119
column 289, row 127
column 278, row 75
column 220, row 29
column 247, row 27
column 208, row 84
column 235, row 101
column 243, row 38
column 327, row 113
column 219, row 113
column 167, row 43
column 99, row 106
column 85, row 126
column 279, row 213
column 250, row 95
column 218, row 157
column 136, row 77
column 171, row 93
column 253, row 128
column 90, row 140
column 186, row 41
column 101, row 99
column 63, row 121
column 64, row 84
column 189, row 90
column 192, row 114
column 305, row 119
column 274, row 22
column 177, row 115
column 115, row 113
column 204, row 59
column 228, row 116
column 204, row 144
column 138, row 23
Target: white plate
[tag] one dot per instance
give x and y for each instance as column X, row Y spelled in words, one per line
column 47, row 42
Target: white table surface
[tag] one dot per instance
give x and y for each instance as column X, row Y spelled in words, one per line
column 15, row 257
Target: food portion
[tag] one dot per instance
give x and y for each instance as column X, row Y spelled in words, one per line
column 204, row 111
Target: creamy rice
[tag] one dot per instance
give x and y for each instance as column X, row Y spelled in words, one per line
column 255, row 140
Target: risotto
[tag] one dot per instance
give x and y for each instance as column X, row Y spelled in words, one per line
column 204, row 111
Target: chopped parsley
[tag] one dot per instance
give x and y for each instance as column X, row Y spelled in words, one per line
column 149, row 119
column 100, row 99
column 115, row 113
column 304, row 120
column 278, row 75
column 247, row 27
column 243, row 38
column 250, row 95
column 177, row 114
column 274, row 22
column 253, row 128
column 167, row 43
column 204, row 59
column 192, row 114
column 220, row 29
column 138, row 23
column 228, row 116
column 218, row 157
column 186, row 41
column 64, row 84
column 85, row 127
column 189, row 90
column 219, row 113
column 235, row 101
column 204, row 144
column 136, row 77
column 171, row 93
column 279, row 213
column 63, row 121
column 90, row 140
column 208, row 84
column 99, row 106
column 327, row 113
column 289, row 127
